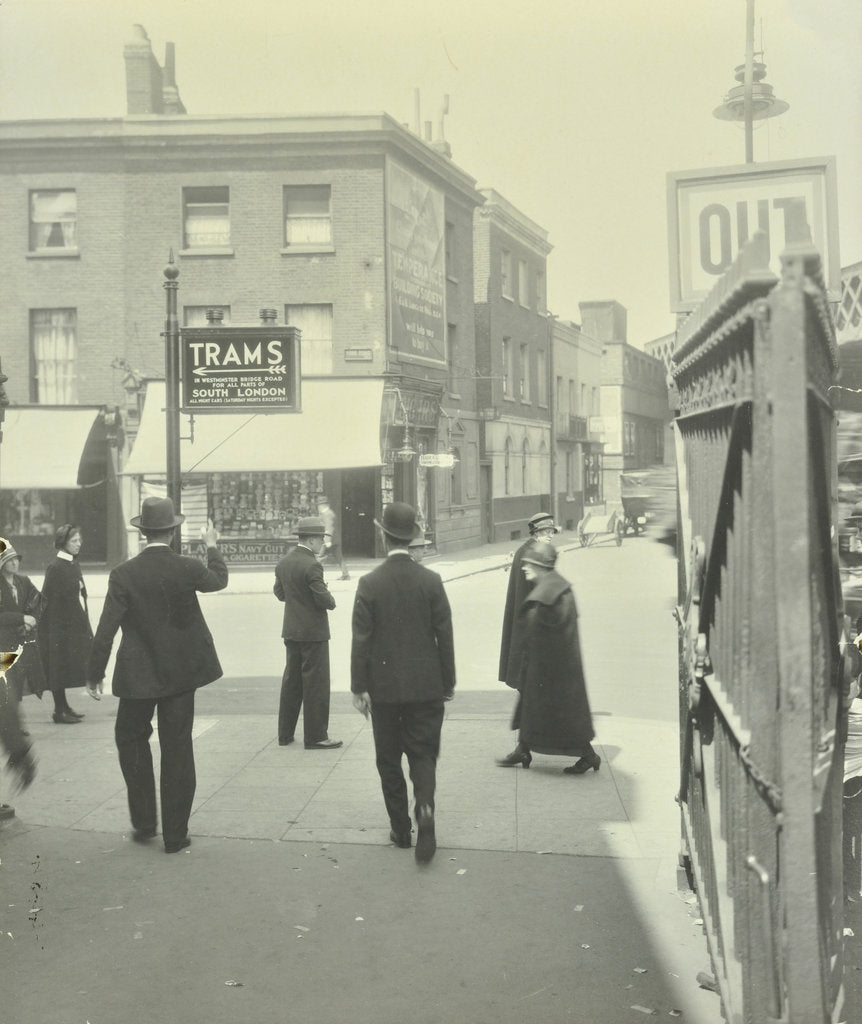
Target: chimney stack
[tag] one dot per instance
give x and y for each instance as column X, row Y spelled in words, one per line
column 149, row 88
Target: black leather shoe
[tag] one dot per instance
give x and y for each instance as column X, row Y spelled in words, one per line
column 64, row 718
column 518, row 756
column 426, row 840
column 326, row 744
column 143, row 835
column 584, row 764
column 73, row 713
column 401, row 839
column 176, row 847
column 285, row 741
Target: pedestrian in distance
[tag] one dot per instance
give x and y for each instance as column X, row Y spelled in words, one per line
column 305, row 683
column 541, row 526
column 166, row 653
column 20, row 608
column 331, row 541
column 65, row 635
column 553, row 711
column 402, row 669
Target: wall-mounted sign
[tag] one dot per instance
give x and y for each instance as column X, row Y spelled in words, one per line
column 441, row 460
column 416, row 252
column 240, row 369
column 712, row 213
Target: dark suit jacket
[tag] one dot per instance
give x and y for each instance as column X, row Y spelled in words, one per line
column 167, row 647
column 403, row 650
column 299, row 583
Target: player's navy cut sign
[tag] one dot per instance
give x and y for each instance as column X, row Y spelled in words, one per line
column 240, row 368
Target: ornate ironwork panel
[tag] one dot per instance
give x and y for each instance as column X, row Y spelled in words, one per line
column 760, row 664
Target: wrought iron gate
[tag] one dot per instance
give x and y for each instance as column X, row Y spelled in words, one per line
column 760, row 667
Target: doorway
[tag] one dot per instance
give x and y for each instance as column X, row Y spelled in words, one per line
column 358, row 489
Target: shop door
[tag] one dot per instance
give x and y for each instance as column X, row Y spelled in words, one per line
column 357, row 499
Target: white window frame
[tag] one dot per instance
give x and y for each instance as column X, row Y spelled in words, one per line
column 54, row 347
column 53, row 214
column 506, row 282
column 206, row 217
column 310, row 224
column 524, row 284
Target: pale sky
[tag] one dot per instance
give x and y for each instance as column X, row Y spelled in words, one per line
column 574, row 110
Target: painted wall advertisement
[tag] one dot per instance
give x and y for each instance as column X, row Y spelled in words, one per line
column 712, row 213
column 417, row 267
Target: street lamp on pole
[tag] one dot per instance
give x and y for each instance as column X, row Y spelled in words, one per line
column 173, row 472
column 753, row 99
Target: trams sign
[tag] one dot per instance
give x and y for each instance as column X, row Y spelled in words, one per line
column 240, row 369
column 711, row 213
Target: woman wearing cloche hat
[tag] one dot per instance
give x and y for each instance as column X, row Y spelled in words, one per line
column 553, row 712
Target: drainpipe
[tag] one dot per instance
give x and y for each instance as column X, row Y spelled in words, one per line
column 552, row 409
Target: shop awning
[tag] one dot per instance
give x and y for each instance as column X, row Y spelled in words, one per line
column 49, row 448
column 338, row 428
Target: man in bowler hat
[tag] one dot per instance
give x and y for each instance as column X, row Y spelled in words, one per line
column 307, row 601
column 402, row 669
column 165, row 654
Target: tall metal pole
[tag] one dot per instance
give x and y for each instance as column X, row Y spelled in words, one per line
column 172, row 396
column 748, row 83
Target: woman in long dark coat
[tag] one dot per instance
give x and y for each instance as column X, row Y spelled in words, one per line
column 20, row 605
column 65, row 636
column 553, row 714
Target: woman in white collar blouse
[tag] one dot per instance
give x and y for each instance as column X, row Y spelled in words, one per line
column 65, row 636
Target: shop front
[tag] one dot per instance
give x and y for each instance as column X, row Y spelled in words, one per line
column 256, row 474
column 56, row 467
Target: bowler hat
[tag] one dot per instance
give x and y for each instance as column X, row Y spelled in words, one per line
column 541, row 552
column 157, row 514
column 310, row 526
column 542, row 521
column 399, row 520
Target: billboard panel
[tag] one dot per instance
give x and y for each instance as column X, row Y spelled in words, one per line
column 416, row 233
column 712, row 213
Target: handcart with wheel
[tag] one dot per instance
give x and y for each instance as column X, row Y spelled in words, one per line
column 598, row 521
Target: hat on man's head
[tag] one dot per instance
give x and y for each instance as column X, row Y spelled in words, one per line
column 310, row 526
column 8, row 554
column 541, row 552
column 399, row 520
column 542, row 521
column 157, row 514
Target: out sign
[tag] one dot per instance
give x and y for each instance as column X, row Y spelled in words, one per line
column 711, row 214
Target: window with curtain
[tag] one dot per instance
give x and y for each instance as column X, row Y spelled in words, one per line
column 523, row 284
column 506, row 274
column 206, row 217
column 54, row 219
column 55, row 352
column 315, row 324
column 525, row 373
column 307, row 215
column 508, row 368
column 542, row 377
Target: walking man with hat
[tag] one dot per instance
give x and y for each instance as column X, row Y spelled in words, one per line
column 165, row 654
column 402, row 669
column 307, row 601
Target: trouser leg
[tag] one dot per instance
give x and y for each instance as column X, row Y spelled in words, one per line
column 315, row 691
column 386, row 725
column 132, row 731
column 176, row 716
column 420, row 737
column 290, row 700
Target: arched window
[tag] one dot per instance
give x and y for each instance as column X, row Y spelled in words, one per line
column 525, row 455
column 507, row 467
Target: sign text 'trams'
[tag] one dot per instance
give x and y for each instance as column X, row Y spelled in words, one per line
column 213, row 353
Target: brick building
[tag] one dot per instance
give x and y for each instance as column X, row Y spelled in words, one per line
column 352, row 228
column 513, row 359
column 577, row 438
column 634, row 398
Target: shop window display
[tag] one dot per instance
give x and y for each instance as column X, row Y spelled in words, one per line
column 262, row 505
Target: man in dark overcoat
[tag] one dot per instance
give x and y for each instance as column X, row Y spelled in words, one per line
column 305, row 683
column 402, row 669
column 540, row 526
column 165, row 654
